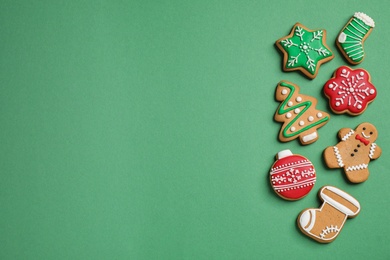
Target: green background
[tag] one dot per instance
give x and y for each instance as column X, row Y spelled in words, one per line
column 144, row 130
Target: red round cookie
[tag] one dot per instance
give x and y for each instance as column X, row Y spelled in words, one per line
column 292, row 176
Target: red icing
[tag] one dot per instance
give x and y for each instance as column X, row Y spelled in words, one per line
column 349, row 90
column 293, row 177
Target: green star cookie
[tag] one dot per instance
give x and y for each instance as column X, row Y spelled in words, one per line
column 304, row 50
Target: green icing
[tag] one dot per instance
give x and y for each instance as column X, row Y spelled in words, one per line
column 305, row 49
column 307, row 105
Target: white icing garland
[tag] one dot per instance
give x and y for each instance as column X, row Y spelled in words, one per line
column 372, row 150
column 357, row 167
column 338, row 156
column 348, row 135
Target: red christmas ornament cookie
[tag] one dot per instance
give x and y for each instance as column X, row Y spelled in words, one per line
column 349, row 91
column 292, row 176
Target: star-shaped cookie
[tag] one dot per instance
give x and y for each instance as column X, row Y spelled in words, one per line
column 304, row 50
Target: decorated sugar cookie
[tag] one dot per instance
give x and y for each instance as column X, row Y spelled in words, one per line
column 349, row 91
column 351, row 38
column 325, row 224
column 304, row 50
column 292, row 176
column 354, row 152
column 298, row 114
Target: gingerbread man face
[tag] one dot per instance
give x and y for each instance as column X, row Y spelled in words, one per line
column 367, row 131
column 354, row 152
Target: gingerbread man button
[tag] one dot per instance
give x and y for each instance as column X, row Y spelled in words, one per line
column 355, row 150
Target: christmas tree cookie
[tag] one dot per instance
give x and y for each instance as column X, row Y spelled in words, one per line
column 352, row 36
column 349, row 91
column 304, row 50
column 298, row 114
column 325, row 224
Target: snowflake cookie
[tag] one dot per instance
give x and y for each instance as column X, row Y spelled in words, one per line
column 349, row 91
column 298, row 114
column 354, row 152
column 304, row 50
column 324, row 224
column 292, row 176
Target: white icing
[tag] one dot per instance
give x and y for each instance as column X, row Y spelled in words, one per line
column 330, row 85
column 310, row 118
column 345, row 137
column 301, row 123
column 337, row 204
column 361, row 73
column 372, row 91
column 319, row 114
column 365, row 18
column 342, row 37
column 344, row 70
column 308, row 219
column 290, row 103
column 338, row 156
column 327, row 230
column 292, row 129
column 366, row 136
column 372, row 150
column 288, row 115
column 337, row 104
column 298, row 99
column 284, row 91
column 297, row 110
column 357, row 167
column 309, row 137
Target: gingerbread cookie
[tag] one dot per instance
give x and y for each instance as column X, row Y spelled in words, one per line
column 352, row 36
column 349, row 91
column 292, row 176
column 324, row 224
column 304, row 50
column 298, row 114
column 356, row 149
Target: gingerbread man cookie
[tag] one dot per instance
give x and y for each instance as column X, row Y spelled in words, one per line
column 298, row 114
column 349, row 91
column 304, row 50
column 324, row 224
column 356, row 149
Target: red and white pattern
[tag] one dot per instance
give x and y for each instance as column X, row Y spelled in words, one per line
column 292, row 176
column 349, row 90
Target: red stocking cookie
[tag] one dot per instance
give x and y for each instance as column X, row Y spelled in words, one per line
column 356, row 149
column 298, row 114
column 292, row 176
column 324, row 224
column 349, row 91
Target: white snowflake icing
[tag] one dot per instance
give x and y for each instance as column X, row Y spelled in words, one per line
column 311, row 53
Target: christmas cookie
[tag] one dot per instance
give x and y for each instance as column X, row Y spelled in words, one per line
column 292, row 176
column 304, row 50
column 349, row 91
column 355, row 150
column 298, row 114
column 324, row 224
column 352, row 36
